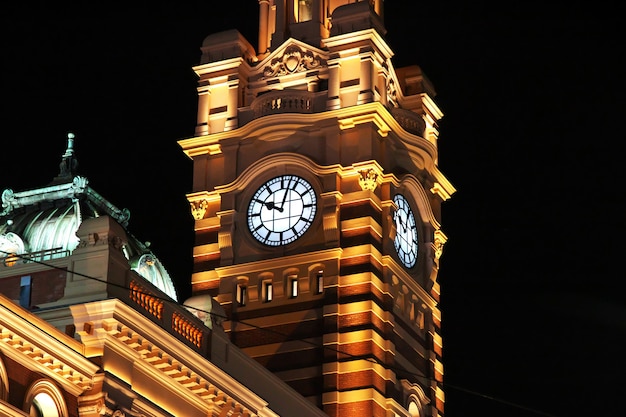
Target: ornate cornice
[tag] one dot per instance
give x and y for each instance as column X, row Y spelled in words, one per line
column 32, row 342
column 157, row 355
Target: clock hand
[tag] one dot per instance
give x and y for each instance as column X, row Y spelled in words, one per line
column 282, row 204
column 268, row 204
column 403, row 224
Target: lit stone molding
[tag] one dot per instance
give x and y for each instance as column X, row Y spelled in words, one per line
column 19, row 348
column 443, row 190
column 4, row 382
column 137, row 341
column 225, row 235
column 294, row 59
column 411, row 302
column 415, row 399
column 330, row 216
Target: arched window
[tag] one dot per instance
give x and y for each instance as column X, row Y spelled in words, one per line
column 44, row 399
column 416, row 399
column 414, row 410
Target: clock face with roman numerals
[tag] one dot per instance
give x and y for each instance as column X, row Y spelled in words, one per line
column 406, row 232
column 281, row 210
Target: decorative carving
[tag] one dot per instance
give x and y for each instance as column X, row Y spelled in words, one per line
column 293, row 60
column 92, row 239
column 10, row 243
column 392, row 93
column 8, row 201
column 410, row 121
column 124, row 217
column 368, row 179
column 198, row 209
column 115, row 242
column 439, row 240
column 79, row 184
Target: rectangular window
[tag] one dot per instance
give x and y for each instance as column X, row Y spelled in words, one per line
column 25, row 287
column 319, row 282
column 293, row 286
column 242, row 291
column 268, row 291
column 420, row 320
column 304, row 10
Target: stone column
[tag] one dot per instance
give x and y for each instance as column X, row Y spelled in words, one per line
column 264, row 9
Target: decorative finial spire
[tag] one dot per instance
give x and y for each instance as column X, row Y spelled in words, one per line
column 68, row 163
column 70, row 145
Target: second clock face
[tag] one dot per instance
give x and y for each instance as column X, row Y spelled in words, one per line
column 281, row 210
column 406, row 232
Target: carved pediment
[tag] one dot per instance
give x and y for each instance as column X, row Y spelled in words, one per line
column 294, row 58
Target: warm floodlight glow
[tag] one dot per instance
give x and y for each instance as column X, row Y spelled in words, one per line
column 11, row 260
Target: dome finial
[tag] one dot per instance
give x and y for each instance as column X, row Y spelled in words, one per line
column 68, row 163
column 70, row 145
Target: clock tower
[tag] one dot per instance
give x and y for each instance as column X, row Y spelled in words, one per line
column 316, row 197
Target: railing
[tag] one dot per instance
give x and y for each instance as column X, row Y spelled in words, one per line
column 24, row 258
column 410, row 121
column 286, row 101
column 175, row 319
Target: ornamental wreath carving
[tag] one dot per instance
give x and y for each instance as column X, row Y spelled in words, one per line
column 295, row 59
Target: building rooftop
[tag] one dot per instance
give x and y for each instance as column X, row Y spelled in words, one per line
column 41, row 224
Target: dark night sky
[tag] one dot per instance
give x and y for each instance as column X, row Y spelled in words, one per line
column 534, row 319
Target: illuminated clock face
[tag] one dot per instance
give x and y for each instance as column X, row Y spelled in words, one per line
column 406, row 232
column 281, row 210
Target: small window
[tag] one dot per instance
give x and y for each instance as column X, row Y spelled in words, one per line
column 419, row 320
column 319, row 282
column 242, row 293
column 25, row 290
column 268, row 291
column 293, row 285
column 304, row 10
